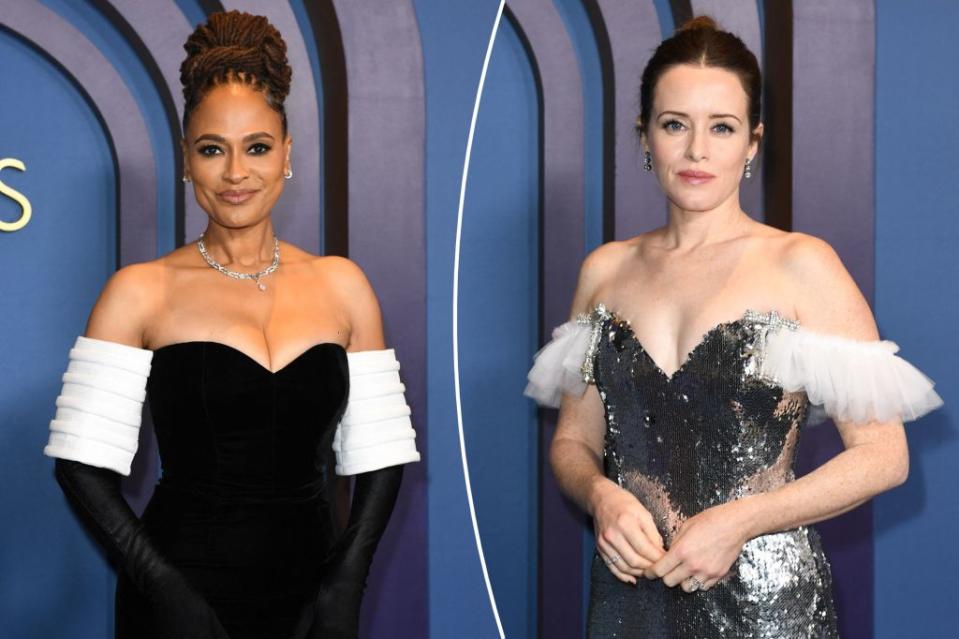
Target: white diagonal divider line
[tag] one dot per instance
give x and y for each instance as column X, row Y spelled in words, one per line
column 456, row 350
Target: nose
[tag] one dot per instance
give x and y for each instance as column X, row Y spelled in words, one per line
column 698, row 146
column 235, row 170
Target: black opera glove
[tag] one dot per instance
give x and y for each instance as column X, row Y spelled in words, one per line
column 372, row 441
column 337, row 605
column 179, row 610
column 94, row 439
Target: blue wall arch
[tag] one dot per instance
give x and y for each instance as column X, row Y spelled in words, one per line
column 70, row 182
column 499, row 320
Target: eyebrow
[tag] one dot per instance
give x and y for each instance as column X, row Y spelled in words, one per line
column 712, row 116
column 219, row 138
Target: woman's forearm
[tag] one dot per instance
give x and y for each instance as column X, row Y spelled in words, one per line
column 579, row 472
column 846, row 481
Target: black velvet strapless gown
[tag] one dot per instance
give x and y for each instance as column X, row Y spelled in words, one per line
column 243, row 507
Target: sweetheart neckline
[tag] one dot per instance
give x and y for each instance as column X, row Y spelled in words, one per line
column 692, row 353
column 249, row 357
column 689, row 356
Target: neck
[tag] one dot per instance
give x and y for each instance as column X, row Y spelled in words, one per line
column 247, row 248
column 688, row 230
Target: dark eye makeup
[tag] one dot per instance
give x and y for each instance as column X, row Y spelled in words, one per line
column 257, row 148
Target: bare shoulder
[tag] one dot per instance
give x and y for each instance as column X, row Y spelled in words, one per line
column 827, row 297
column 802, row 252
column 332, row 272
column 810, row 262
column 129, row 298
column 608, row 257
column 355, row 297
column 292, row 254
column 342, row 273
column 598, row 269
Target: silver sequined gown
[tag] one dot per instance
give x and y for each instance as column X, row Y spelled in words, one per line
column 713, row 432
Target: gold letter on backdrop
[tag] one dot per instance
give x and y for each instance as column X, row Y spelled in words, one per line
column 17, row 197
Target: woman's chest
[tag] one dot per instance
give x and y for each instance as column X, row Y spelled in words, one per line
column 273, row 333
column 671, row 312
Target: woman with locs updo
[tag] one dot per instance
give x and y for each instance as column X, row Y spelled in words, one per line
column 266, row 373
column 696, row 354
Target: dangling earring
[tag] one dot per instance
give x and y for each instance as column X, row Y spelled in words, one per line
column 748, row 173
column 289, row 174
column 648, row 161
column 185, row 178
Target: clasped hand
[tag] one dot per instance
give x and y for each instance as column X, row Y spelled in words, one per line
column 704, row 548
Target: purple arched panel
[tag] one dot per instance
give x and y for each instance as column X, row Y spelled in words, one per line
column 833, row 198
column 386, row 154
column 562, row 200
column 736, row 16
column 119, row 110
column 742, row 18
column 163, row 29
column 631, row 31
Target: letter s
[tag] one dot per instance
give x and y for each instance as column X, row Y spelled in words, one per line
column 16, row 196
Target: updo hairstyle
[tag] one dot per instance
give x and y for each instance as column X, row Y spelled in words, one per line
column 700, row 42
column 234, row 46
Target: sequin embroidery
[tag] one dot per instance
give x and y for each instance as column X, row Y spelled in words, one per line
column 714, row 431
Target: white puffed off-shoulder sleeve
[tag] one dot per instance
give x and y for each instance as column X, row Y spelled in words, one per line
column 558, row 366
column 846, row 379
column 375, row 431
column 100, row 405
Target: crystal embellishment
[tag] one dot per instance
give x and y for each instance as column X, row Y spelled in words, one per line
column 762, row 325
column 242, row 276
column 594, row 320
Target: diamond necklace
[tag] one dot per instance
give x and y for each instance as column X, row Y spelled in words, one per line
column 243, row 276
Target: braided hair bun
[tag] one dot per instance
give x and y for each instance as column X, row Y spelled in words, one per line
column 234, row 46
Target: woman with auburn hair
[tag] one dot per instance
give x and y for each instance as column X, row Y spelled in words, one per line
column 697, row 353
column 266, row 372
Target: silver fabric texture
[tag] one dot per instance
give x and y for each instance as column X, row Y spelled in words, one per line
column 712, row 432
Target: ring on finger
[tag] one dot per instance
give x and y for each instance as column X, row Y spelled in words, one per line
column 692, row 584
column 611, row 559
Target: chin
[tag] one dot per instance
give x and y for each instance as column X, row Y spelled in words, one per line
column 235, row 219
column 698, row 203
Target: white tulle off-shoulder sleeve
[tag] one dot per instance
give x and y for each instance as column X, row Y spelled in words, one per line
column 558, row 366
column 846, row 379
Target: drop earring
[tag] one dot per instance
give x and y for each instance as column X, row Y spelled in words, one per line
column 647, row 161
column 289, row 174
column 748, row 173
column 185, row 179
